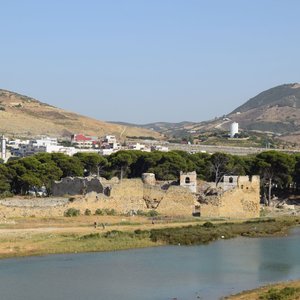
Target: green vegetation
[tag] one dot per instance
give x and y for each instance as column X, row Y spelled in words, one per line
column 150, row 213
column 279, row 291
column 99, row 212
column 203, row 234
column 105, row 211
column 94, row 240
column 87, row 212
column 280, row 172
column 141, row 137
column 72, row 212
column 286, row 293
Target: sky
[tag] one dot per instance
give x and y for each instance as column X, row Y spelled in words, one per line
column 146, row 61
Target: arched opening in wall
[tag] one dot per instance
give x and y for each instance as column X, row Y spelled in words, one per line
column 230, row 180
column 187, row 180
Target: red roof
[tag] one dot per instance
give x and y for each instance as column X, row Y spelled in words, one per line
column 80, row 138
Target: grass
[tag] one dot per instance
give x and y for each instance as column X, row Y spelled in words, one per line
column 132, row 235
column 280, row 291
column 285, row 293
column 42, row 244
column 208, row 232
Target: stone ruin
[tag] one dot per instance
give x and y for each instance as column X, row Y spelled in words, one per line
column 233, row 198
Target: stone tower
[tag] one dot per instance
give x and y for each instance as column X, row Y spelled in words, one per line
column 148, row 178
column 189, row 180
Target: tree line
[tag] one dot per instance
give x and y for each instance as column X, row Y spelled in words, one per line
column 279, row 172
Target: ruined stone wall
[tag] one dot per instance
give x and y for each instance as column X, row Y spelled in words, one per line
column 76, row 186
column 241, row 202
column 133, row 194
column 177, row 201
column 125, row 196
column 153, row 195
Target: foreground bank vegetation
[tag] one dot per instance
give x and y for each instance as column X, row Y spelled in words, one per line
column 280, row 172
column 120, row 236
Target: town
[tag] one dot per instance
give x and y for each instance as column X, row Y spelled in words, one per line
column 75, row 144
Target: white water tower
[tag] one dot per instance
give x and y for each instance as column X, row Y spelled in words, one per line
column 3, row 147
column 234, row 128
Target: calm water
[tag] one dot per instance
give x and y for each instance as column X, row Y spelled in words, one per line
column 183, row 273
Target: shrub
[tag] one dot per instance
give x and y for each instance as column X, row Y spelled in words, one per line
column 208, row 225
column 110, row 212
column 6, row 194
column 90, row 236
column 114, row 234
column 72, row 212
column 283, row 294
column 140, row 212
column 87, row 212
column 152, row 213
column 99, row 212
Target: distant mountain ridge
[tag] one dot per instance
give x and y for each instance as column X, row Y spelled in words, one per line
column 282, row 95
column 24, row 116
column 276, row 110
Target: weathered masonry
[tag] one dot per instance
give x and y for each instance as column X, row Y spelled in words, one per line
column 235, row 197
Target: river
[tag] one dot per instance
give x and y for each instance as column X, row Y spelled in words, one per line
column 162, row 273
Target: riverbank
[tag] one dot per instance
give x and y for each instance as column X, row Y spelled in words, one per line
column 34, row 236
column 281, row 291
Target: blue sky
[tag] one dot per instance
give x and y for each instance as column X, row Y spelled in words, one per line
column 146, row 61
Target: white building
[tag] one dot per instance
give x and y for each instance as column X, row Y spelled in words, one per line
column 160, row 148
column 139, row 147
column 3, row 148
column 45, row 141
column 234, row 129
column 106, row 152
column 110, row 139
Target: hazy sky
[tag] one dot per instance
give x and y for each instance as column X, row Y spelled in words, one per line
column 145, row 61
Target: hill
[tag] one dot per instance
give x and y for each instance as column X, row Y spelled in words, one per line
column 275, row 111
column 23, row 116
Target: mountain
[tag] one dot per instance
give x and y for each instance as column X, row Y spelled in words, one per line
column 276, row 110
column 23, row 116
column 286, row 95
column 165, row 128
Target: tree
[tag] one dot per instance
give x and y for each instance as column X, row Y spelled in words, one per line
column 170, row 165
column 202, row 165
column 276, row 169
column 69, row 165
column 33, row 172
column 92, row 163
column 24, row 174
column 121, row 161
column 220, row 164
column 296, row 173
column 4, row 179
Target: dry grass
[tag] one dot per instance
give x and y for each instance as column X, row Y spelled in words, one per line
column 28, row 117
column 39, row 236
column 270, row 292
